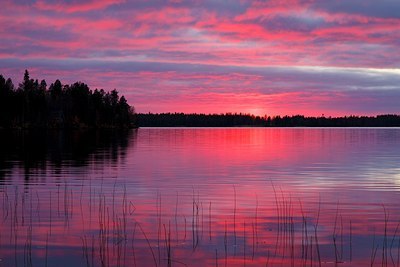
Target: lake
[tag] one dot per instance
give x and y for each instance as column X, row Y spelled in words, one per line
column 201, row 197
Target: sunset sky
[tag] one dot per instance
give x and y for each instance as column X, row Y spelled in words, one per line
column 308, row 57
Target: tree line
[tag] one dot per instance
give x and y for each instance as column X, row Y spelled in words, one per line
column 197, row 120
column 239, row 119
column 33, row 104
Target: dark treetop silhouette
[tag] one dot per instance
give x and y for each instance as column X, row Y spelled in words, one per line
column 33, row 105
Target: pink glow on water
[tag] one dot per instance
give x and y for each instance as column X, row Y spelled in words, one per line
column 240, row 196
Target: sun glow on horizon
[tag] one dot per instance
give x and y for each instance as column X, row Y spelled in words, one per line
column 248, row 57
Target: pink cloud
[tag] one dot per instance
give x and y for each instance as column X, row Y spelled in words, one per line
column 165, row 16
column 179, row 50
column 80, row 6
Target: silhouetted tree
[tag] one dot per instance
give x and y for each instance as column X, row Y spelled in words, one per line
column 43, row 85
column 75, row 105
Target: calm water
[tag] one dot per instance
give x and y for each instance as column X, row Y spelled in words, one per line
column 197, row 197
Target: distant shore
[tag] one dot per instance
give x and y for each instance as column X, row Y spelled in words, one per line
column 248, row 120
column 77, row 127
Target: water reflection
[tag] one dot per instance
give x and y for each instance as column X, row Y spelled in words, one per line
column 31, row 151
column 198, row 197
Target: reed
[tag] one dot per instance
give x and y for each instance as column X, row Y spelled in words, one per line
column 47, row 249
column 58, row 199
column 133, row 245
column 373, row 251
column 244, row 243
column 392, row 244
column 351, row 241
column 159, row 226
column 28, row 247
column 51, row 213
column 195, row 221
column 234, row 218
column 256, row 221
column 202, row 221
column 148, row 243
column 226, row 243
column 167, row 238
column 216, row 257
column 114, row 216
column 385, row 238
column 6, row 204
column 209, row 221
column 254, row 241
column 84, row 251
column 316, row 233
column 176, row 218
column 398, row 253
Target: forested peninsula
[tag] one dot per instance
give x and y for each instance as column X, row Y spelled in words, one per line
column 33, row 104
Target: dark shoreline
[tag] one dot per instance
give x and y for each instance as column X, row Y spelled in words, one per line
column 248, row 120
column 67, row 128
